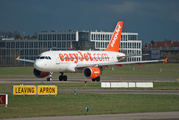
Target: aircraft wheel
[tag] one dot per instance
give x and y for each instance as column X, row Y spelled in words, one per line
column 93, row 80
column 65, row 78
column 48, row 79
column 98, row 79
column 60, row 78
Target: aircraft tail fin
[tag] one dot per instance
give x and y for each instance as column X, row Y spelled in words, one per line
column 114, row 44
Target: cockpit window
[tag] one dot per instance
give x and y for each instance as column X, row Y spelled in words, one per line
column 44, row 57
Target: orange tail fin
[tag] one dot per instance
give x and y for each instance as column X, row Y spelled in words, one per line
column 166, row 60
column 114, row 44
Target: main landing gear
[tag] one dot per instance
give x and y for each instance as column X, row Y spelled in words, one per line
column 62, row 77
column 96, row 79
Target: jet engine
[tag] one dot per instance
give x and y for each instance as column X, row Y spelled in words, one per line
column 92, row 72
column 40, row 74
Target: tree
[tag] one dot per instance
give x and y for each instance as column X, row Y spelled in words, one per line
column 35, row 35
column 8, row 34
column 152, row 42
column 17, row 37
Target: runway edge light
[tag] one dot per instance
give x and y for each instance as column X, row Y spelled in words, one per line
column 87, row 109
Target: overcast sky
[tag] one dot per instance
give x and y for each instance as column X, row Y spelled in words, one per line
column 151, row 19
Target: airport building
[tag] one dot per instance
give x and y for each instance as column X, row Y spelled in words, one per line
column 161, row 50
column 67, row 40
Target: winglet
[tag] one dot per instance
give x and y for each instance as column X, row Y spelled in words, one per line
column 166, row 60
column 18, row 58
column 114, row 44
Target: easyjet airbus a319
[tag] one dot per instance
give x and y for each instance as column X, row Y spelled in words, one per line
column 91, row 63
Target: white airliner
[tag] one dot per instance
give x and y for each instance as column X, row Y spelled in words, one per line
column 91, row 63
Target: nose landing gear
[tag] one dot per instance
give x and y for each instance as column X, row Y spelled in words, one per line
column 50, row 77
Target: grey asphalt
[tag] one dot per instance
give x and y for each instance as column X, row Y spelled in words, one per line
column 128, row 116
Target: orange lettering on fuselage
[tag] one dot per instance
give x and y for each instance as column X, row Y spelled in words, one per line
column 85, row 55
column 98, row 54
column 79, row 56
column 76, row 57
column 66, row 57
column 71, row 56
column 61, row 56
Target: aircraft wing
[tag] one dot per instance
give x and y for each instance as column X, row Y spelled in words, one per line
column 25, row 60
column 132, row 55
column 120, row 63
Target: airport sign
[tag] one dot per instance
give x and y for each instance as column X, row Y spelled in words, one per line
column 24, row 90
column 4, row 99
column 47, row 90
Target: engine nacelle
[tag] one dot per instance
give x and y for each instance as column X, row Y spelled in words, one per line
column 40, row 74
column 91, row 72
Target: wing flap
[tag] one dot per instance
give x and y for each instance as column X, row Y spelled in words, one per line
column 131, row 55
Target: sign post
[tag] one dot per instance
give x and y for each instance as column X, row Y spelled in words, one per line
column 4, row 99
column 85, row 83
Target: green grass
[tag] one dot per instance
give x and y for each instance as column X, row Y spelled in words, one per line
column 169, row 70
column 17, row 72
column 166, row 85
column 70, row 104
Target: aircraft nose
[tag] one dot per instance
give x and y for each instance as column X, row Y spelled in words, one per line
column 41, row 65
column 38, row 64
